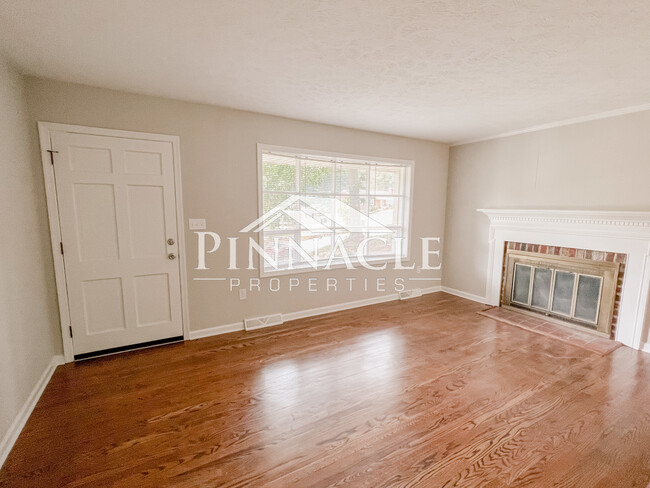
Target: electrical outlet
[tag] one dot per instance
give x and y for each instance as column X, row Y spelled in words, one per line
column 197, row 224
column 242, row 293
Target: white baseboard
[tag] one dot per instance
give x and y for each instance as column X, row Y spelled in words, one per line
column 646, row 347
column 338, row 307
column 19, row 422
column 219, row 329
column 462, row 294
column 301, row 314
column 431, row 289
column 313, row 312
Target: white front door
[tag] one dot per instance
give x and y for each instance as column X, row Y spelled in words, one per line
column 117, row 214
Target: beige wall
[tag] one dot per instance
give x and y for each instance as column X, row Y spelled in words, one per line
column 602, row 165
column 29, row 326
column 219, row 166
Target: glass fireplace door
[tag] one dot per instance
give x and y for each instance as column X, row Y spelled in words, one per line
column 568, row 294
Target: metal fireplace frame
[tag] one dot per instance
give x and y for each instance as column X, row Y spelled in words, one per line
column 607, row 271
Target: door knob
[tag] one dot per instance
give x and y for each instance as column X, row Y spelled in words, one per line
column 171, row 255
column 170, row 242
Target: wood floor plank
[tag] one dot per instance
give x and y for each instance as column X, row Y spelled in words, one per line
column 418, row 393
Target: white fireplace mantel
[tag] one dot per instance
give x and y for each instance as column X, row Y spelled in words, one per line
column 621, row 232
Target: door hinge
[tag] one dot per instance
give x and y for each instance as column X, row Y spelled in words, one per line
column 70, row 331
column 61, row 248
column 51, row 151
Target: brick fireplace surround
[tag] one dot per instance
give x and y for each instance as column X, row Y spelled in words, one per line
column 615, row 236
column 573, row 252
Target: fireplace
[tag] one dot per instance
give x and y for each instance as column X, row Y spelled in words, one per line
column 574, row 291
column 617, row 235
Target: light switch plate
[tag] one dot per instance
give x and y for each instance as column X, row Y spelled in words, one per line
column 197, row 224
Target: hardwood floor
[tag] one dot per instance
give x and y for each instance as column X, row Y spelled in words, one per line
column 420, row 393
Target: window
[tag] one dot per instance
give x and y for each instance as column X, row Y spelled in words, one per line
column 320, row 210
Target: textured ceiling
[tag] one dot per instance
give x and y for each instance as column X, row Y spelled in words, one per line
column 443, row 70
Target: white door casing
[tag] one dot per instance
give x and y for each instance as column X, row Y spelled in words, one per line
column 118, row 214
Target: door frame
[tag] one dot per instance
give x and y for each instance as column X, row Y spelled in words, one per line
column 45, row 130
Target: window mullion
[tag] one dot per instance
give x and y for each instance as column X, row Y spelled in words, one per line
column 336, row 196
column 366, row 233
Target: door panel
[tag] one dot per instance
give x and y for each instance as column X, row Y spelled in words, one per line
column 152, row 299
column 142, row 163
column 103, row 303
column 147, row 216
column 94, row 207
column 91, row 160
column 117, row 210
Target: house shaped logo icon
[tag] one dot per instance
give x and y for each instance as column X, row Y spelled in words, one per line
column 318, row 215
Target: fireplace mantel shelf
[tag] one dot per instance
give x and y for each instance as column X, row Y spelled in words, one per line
column 570, row 217
column 599, row 230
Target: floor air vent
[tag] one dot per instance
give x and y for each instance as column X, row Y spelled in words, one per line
column 406, row 294
column 261, row 322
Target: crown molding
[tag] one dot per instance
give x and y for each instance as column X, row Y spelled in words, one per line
column 559, row 123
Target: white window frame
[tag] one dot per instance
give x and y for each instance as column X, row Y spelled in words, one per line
column 408, row 207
